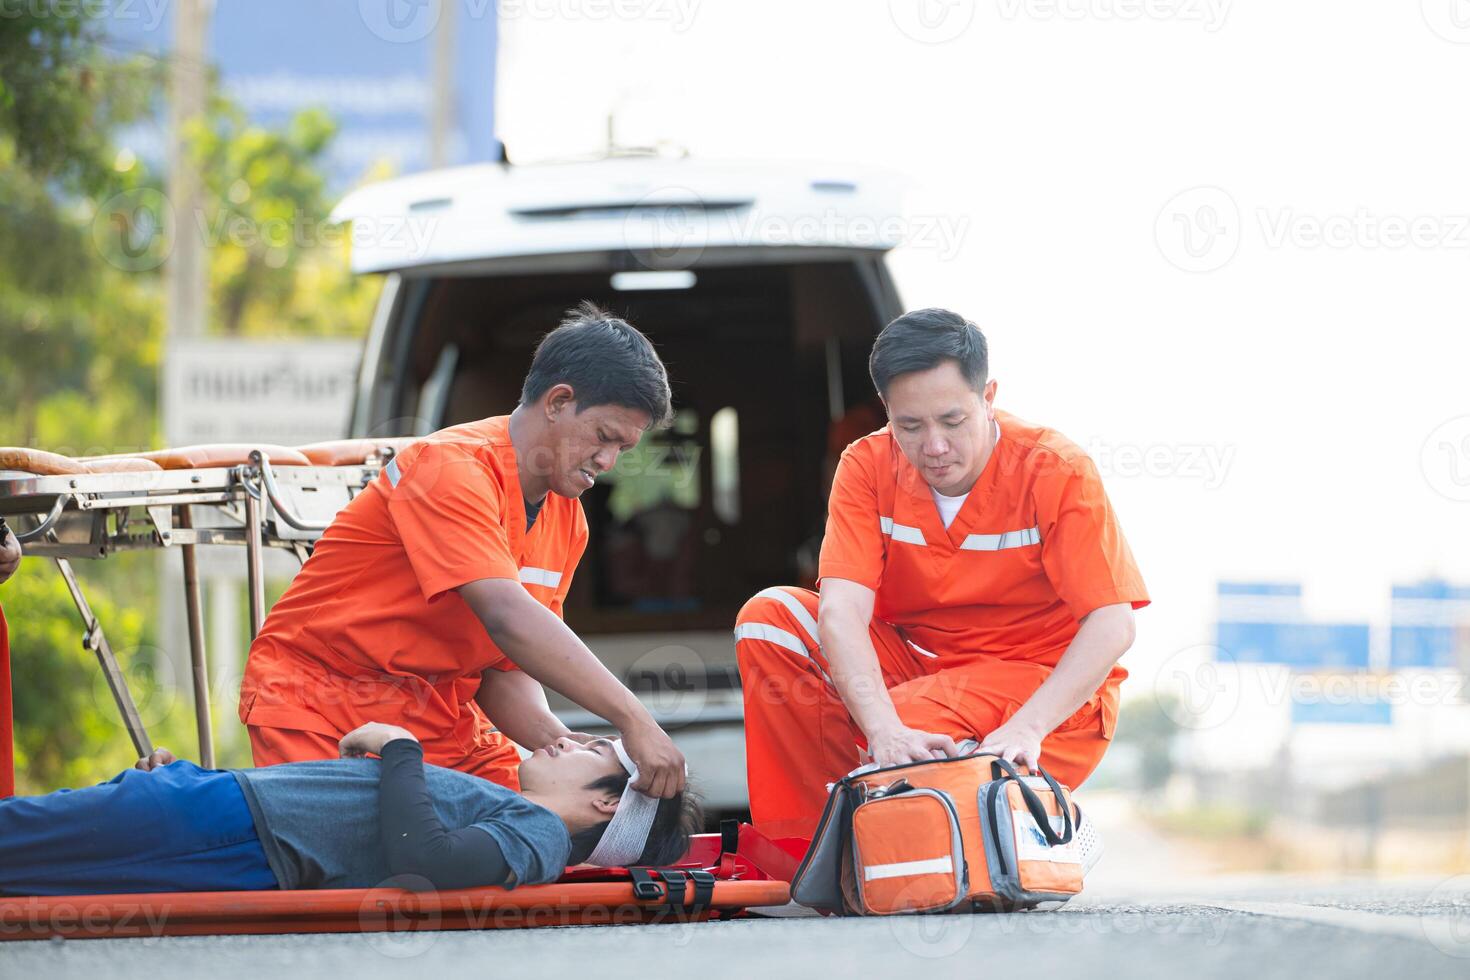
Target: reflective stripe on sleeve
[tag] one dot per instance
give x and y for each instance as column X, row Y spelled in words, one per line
column 540, row 576
column 394, row 474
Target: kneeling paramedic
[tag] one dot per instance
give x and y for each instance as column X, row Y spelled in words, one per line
column 974, row 583
column 434, row 599
column 353, row 822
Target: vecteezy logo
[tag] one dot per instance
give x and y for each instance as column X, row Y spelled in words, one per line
column 673, row 681
column 1446, row 917
column 1198, row 687
column 667, row 228
column 400, row 924
column 1445, row 459
column 932, row 21
column 400, row 21
column 1450, row 19
column 134, row 230
column 1199, row 229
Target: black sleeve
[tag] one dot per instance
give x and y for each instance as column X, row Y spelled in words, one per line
column 415, row 841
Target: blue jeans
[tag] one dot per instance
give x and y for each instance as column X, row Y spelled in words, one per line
column 177, row 828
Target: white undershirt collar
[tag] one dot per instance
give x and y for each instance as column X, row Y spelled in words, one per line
column 949, row 507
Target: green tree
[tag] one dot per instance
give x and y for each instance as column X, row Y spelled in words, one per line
column 68, row 731
column 69, row 321
column 84, row 230
column 1147, row 724
column 276, row 267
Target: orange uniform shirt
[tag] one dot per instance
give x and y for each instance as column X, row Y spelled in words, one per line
column 371, row 629
column 1034, row 548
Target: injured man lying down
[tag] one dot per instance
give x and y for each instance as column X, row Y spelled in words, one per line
column 353, row 822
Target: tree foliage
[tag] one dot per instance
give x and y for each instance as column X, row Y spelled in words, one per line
column 84, row 232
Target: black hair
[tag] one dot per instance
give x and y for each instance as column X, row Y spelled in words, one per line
column 677, row 818
column 924, row 339
column 605, row 360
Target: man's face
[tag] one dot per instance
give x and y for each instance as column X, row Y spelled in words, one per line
column 942, row 425
column 564, row 768
column 587, row 444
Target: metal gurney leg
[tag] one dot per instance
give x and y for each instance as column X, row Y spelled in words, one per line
column 254, row 560
column 198, row 661
column 96, row 641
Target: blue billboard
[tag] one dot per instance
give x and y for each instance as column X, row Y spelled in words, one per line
column 1357, row 712
column 1429, row 625
column 370, row 64
column 1263, row 622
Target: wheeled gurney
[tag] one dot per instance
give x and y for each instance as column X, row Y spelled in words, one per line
column 245, row 495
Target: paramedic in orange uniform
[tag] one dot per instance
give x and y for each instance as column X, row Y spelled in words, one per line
column 974, row 584
column 434, row 600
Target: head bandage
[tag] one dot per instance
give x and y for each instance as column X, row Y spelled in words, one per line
column 626, row 836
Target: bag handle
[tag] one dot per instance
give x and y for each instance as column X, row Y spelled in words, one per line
column 1037, row 808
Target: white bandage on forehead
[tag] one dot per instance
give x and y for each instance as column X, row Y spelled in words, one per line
column 626, row 836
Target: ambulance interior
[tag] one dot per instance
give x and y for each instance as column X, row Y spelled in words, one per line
column 768, row 368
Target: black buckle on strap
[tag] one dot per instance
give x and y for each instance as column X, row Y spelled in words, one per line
column 675, row 886
column 645, row 888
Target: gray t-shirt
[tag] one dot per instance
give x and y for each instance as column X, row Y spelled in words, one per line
column 318, row 822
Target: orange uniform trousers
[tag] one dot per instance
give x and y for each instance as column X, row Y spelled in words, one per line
column 799, row 736
column 493, row 757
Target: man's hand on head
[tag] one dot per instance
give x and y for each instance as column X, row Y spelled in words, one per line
column 660, row 764
column 369, row 739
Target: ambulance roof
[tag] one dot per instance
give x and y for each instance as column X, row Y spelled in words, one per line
column 669, row 212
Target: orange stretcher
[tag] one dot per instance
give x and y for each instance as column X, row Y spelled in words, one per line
column 722, row 876
column 247, row 495
column 681, row 898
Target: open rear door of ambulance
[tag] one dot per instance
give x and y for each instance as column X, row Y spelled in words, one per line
column 762, row 288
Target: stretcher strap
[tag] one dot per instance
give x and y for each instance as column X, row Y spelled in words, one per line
column 704, row 891
column 729, row 848
column 675, row 890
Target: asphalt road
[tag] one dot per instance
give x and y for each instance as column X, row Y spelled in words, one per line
column 1256, row 928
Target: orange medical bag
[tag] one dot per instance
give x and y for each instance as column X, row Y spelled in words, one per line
column 972, row 833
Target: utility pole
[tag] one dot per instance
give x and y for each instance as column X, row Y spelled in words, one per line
column 186, row 278
column 441, row 111
column 185, row 271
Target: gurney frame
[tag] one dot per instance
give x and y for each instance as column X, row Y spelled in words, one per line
column 94, row 515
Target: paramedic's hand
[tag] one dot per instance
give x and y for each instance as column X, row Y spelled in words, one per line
column 9, row 555
column 660, row 765
column 895, row 746
column 1014, row 743
column 160, row 757
column 370, row 739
